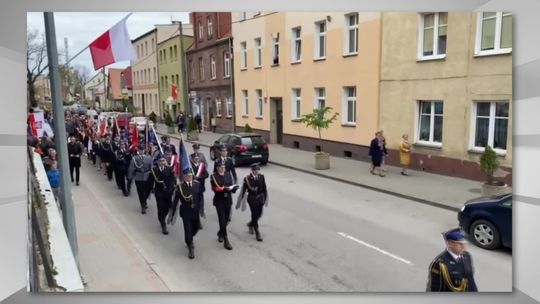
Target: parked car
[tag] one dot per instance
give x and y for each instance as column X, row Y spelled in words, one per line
column 140, row 121
column 488, row 221
column 244, row 148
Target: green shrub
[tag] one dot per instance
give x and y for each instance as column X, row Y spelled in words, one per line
column 489, row 163
column 247, row 128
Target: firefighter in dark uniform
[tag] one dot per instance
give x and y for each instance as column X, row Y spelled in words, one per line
column 155, row 155
column 74, row 151
column 108, row 157
column 200, row 174
column 453, row 269
column 229, row 166
column 164, row 182
column 139, row 171
column 202, row 157
column 223, row 187
column 122, row 161
column 190, row 194
column 166, row 142
column 255, row 186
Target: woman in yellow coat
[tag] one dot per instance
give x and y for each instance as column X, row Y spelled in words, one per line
column 404, row 154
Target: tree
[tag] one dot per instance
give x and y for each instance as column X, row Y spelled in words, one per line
column 317, row 121
column 36, row 59
column 489, row 163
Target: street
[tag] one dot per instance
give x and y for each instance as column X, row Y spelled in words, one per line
column 319, row 235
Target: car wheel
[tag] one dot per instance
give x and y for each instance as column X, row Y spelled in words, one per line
column 485, row 235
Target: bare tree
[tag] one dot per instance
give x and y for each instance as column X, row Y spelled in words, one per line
column 36, row 59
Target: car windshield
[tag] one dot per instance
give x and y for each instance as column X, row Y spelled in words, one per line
column 253, row 140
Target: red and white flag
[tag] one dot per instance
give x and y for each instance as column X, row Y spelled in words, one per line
column 112, row 46
column 174, row 92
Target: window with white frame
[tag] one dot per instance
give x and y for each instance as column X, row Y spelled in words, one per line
column 201, row 69
column 297, row 48
column 296, row 103
column 351, row 34
column 226, row 65
column 320, row 98
column 349, row 105
column 155, row 75
column 200, row 30
column 258, row 52
column 490, row 125
column 213, row 67
column 275, row 50
column 245, row 103
column 494, row 33
column 243, row 47
column 259, row 103
column 218, row 107
column 320, row 40
column 229, row 107
column 433, row 31
column 430, row 122
column 210, row 29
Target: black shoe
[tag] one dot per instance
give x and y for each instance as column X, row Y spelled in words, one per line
column 143, row 210
column 164, row 229
column 227, row 245
column 77, row 183
column 191, row 254
column 220, row 239
column 250, row 228
column 125, row 193
column 258, row 236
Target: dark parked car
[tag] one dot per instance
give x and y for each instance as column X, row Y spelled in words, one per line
column 244, row 148
column 488, row 221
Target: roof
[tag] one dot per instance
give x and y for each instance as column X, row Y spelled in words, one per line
column 115, row 83
column 144, row 35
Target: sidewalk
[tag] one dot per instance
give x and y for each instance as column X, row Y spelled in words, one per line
column 432, row 189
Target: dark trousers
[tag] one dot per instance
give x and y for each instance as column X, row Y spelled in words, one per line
column 256, row 213
column 191, row 225
column 142, row 192
column 93, row 157
column 164, row 201
column 110, row 169
column 77, row 171
column 121, row 180
column 223, row 211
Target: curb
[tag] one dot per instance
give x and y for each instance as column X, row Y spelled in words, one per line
column 389, row 192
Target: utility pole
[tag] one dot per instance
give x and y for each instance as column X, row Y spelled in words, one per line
column 184, row 74
column 68, row 214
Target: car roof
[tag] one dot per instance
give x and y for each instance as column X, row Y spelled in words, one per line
column 245, row 134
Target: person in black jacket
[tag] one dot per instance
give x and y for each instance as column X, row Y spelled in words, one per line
column 377, row 150
column 123, row 159
column 223, row 187
column 107, row 156
column 255, row 185
column 229, row 163
column 200, row 174
column 190, row 194
column 452, row 270
column 164, row 181
column 75, row 152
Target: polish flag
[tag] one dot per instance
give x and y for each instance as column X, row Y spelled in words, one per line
column 112, row 46
column 174, row 92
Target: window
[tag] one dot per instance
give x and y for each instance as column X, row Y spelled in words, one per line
column 200, row 31
column 138, row 52
column 296, row 103
column 243, row 47
column 145, row 77
column 177, row 81
column 297, row 49
column 146, row 48
column 320, row 40
column 494, row 33
column 275, row 50
column 209, row 28
column 349, row 105
column 351, row 34
column 213, row 67
column 320, row 99
column 229, row 107
column 258, row 53
column 259, row 103
column 201, row 69
column 171, row 53
column 160, row 57
column 175, row 53
column 430, row 123
column 164, row 56
column 166, row 85
column 245, row 103
column 218, row 107
column 490, row 126
column 153, row 44
column 155, row 75
column 226, row 65
column 432, row 42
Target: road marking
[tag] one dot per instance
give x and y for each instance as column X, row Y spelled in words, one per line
column 376, row 248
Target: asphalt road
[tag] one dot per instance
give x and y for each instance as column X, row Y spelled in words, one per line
column 319, row 235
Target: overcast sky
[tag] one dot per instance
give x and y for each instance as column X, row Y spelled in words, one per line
column 82, row 28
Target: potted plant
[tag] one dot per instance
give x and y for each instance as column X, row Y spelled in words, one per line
column 193, row 130
column 247, row 128
column 318, row 121
column 170, row 123
column 489, row 165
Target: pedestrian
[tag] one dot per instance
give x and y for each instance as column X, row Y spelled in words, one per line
column 201, row 174
column 122, row 161
column 139, row 171
column 376, row 152
column 74, row 151
column 164, row 182
column 405, row 154
column 190, row 194
column 257, row 198
column 108, row 157
column 50, row 159
column 183, row 121
column 179, row 122
column 383, row 162
column 198, row 121
column 53, row 175
column 223, row 187
column 453, row 269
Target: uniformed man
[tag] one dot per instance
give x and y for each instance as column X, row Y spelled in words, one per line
column 139, row 171
column 155, row 155
column 75, row 152
column 190, row 194
column 453, row 269
column 164, row 182
column 229, row 163
column 202, row 157
column 255, row 186
column 123, row 159
column 171, row 159
column 201, row 174
column 108, row 157
column 167, row 143
column 223, row 187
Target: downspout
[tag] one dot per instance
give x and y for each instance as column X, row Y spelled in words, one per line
column 231, row 82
